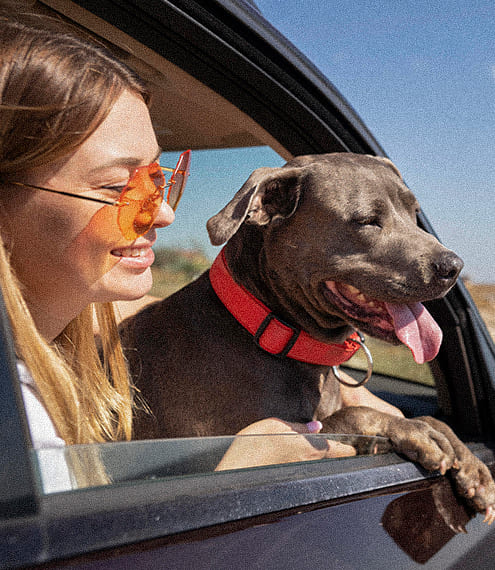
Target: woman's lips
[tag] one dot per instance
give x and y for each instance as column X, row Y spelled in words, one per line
column 139, row 257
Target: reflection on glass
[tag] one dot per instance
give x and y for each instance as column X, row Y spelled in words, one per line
column 79, row 466
column 422, row 522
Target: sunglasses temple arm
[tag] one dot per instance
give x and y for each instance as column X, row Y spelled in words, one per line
column 53, row 191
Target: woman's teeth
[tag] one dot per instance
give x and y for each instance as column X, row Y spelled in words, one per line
column 130, row 252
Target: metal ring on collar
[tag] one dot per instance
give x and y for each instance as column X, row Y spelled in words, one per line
column 369, row 372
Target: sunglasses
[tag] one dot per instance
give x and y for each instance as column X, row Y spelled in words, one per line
column 140, row 201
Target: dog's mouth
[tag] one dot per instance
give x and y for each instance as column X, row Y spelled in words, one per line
column 409, row 323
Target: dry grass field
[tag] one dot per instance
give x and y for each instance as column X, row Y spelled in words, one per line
column 174, row 268
column 483, row 295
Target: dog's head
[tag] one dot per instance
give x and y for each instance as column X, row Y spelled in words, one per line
column 340, row 245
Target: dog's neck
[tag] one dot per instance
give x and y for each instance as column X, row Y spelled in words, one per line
column 245, row 255
column 271, row 333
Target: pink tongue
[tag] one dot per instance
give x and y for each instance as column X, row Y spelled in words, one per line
column 415, row 327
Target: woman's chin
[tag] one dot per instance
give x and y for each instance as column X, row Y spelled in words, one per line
column 128, row 288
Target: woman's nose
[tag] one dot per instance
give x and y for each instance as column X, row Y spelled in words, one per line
column 165, row 216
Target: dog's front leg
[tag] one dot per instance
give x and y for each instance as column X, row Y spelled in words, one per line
column 428, row 441
column 416, row 439
column 332, row 395
column 361, row 396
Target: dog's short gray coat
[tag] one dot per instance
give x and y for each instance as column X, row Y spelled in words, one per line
column 341, row 217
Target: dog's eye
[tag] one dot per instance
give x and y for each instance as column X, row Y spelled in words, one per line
column 373, row 221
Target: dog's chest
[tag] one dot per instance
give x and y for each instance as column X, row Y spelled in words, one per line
column 291, row 390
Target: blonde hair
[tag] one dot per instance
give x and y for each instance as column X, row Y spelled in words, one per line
column 55, row 90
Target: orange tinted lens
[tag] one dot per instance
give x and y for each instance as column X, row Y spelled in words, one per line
column 140, row 201
column 178, row 180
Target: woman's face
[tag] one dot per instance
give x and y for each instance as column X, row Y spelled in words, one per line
column 69, row 252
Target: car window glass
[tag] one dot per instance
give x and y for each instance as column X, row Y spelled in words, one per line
column 79, row 466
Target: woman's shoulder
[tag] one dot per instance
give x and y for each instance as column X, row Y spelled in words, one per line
column 43, row 433
column 24, row 374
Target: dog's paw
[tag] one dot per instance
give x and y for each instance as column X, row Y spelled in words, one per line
column 421, row 443
column 471, row 476
column 474, row 481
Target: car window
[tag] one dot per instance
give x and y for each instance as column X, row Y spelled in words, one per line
column 79, row 466
column 227, row 144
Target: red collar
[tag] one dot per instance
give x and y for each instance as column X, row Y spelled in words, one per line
column 271, row 333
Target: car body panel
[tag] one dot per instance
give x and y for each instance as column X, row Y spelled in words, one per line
column 320, row 539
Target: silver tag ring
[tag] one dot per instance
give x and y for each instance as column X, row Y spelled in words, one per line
column 369, row 372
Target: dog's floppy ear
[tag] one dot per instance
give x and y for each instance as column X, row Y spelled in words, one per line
column 267, row 195
column 388, row 162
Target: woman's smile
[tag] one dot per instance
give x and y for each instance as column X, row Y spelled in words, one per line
column 139, row 257
column 81, row 256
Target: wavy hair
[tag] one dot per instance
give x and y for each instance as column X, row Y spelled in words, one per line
column 55, row 90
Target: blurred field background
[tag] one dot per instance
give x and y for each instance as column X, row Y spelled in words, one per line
column 175, row 267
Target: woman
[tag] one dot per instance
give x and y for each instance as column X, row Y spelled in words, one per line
column 64, row 259
column 76, row 142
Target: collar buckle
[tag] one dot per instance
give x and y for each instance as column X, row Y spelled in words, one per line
column 282, row 327
column 361, row 342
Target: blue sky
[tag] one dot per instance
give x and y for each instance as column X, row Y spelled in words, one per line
column 422, row 77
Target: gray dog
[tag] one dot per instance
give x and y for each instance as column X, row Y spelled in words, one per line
column 324, row 246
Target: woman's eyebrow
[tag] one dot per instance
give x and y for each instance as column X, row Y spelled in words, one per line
column 130, row 161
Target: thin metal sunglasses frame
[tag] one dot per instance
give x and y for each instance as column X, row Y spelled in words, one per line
column 91, row 198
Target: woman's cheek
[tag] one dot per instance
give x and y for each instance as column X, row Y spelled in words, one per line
column 91, row 249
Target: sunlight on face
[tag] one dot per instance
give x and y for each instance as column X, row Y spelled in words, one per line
column 71, row 252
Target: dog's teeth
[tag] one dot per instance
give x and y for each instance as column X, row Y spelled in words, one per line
column 372, row 304
column 361, row 297
column 352, row 289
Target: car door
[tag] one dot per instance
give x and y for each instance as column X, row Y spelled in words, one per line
column 229, row 86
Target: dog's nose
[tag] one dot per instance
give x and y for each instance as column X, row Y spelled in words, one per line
column 448, row 266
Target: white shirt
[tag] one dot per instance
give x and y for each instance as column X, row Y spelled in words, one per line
column 53, row 468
